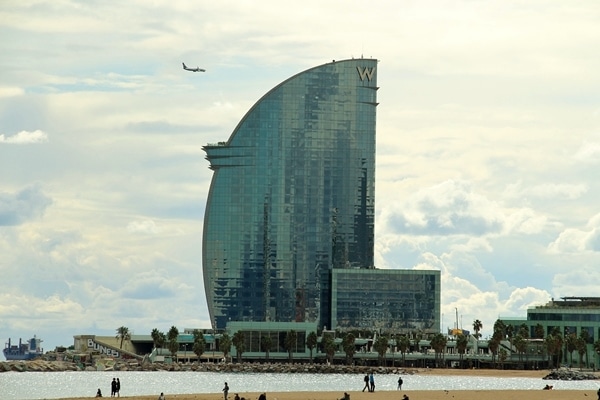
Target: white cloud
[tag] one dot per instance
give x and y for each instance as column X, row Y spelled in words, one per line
column 25, row 137
column 588, row 152
column 484, row 166
column 11, row 91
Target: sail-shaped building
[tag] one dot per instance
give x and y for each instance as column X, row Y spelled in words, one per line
column 292, row 197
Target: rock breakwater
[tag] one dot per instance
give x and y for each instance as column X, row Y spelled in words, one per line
column 133, row 365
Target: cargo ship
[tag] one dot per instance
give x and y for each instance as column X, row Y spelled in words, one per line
column 24, row 351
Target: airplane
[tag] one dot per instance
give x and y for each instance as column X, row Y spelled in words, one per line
column 193, row 69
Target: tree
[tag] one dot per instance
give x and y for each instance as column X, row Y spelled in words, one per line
column 502, row 356
column 123, row 334
column 265, row 344
column 493, row 345
column 290, row 344
column 311, row 343
column 156, row 338
column 585, row 336
column 225, row 345
column 239, row 342
column 417, row 337
column 581, row 345
column 438, row 343
column 348, row 346
column 597, row 348
column 403, row 346
column 571, row 345
column 172, row 342
column 328, row 344
column 381, row 346
column 199, row 343
column 461, row 346
column 477, row 326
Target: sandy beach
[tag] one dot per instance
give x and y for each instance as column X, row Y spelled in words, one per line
column 412, row 394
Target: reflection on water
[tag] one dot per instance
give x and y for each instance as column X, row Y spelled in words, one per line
column 52, row 385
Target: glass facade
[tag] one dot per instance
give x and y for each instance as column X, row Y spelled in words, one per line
column 386, row 300
column 292, row 197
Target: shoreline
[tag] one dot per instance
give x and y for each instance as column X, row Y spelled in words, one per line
column 475, row 394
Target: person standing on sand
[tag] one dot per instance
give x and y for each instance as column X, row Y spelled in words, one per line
column 225, row 391
column 367, row 383
column 113, row 387
column 372, row 381
column 400, row 382
column 118, row 387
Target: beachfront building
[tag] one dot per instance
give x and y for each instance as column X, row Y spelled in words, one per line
column 386, row 300
column 291, row 205
column 292, row 197
column 574, row 317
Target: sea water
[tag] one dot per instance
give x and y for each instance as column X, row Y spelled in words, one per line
column 53, row 385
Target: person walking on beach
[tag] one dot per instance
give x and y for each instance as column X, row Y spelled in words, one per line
column 225, row 391
column 367, row 383
column 372, row 382
column 118, row 387
column 113, row 388
column 400, row 382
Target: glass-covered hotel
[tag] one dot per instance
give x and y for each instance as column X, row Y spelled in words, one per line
column 292, row 198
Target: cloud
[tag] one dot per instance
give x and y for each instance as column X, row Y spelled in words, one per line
column 146, row 227
column 7, row 91
column 588, row 152
column 27, row 204
column 25, row 137
column 449, row 208
column 577, row 240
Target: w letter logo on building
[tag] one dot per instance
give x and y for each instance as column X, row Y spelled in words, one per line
column 365, row 72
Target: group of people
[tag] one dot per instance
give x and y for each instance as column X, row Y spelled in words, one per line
column 263, row 396
column 369, row 382
column 115, row 388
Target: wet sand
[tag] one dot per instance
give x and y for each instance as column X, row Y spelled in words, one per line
column 413, row 394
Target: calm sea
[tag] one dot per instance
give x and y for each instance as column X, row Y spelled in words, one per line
column 52, row 385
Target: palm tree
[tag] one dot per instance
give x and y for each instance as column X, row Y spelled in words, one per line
column 581, row 345
column 311, row 343
column 265, row 344
column 172, row 342
column 403, row 346
column 348, row 346
column 417, row 337
column 461, row 346
column 239, row 341
column 123, row 334
column 225, row 345
column 199, row 343
column 477, row 326
column 571, row 345
column 155, row 335
column 438, row 343
column 381, row 346
column 290, row 343
column 585, row 336
column 328, row 344
column 597, row 348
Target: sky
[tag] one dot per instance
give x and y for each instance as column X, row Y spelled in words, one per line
column 488, row 148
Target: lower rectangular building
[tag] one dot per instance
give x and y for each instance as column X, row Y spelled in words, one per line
column 386, row 300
